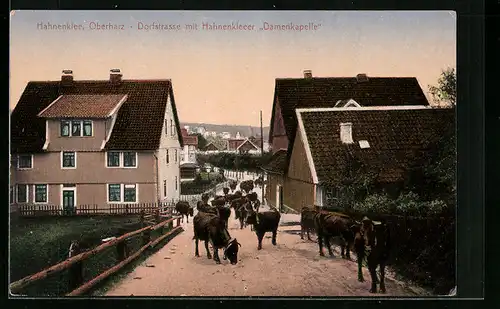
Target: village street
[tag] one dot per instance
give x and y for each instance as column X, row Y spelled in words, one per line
column 292, row 268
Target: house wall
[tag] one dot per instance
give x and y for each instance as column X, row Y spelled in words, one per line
column 169, row 172
column 279, row 140
column 273, row 181
column 299, row 187
column 90, row 176
column 80, row 143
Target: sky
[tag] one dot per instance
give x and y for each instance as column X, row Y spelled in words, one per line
column 228, row 76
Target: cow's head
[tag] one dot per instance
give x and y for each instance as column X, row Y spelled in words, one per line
column 231, row 251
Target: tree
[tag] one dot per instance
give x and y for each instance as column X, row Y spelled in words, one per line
column 202, row 142
column 446, row 89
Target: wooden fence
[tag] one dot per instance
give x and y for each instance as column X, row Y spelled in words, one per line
column 32, row 210
column 75, row 266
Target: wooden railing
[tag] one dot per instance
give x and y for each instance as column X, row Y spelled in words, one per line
column 75, row 263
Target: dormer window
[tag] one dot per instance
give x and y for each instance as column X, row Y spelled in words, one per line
column 76, row 128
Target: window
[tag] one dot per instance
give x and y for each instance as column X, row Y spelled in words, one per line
column 175, row 158
column 114, row 193
column 167, row 159
column 129, row 194
column 171, row 127
column 164, row 188
column 319, row 196
column 25, row 161
column 40, row 194
column 113, row 159
column 11, row 194
column 65, row 128
column 76, row 128
column 126, row 193
column 68, row 159
column 176, row 185
column 166, row 127
column 129, row 159
column 87, row 128
column 22, row 193
column 330, row 197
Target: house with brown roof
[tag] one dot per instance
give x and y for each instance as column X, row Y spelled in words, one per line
column 210, row 147
column 76, row 142
column 338, row 146
column 188, row 156
column 327, row 92
column 242, row 145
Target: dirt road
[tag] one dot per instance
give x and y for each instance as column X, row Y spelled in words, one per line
column 292, row 268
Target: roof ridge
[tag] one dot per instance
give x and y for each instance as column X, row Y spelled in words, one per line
column 345, row 77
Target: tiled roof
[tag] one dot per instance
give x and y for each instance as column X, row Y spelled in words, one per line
column 138, row 126
column 83, row 106
column 247, row 141
column 277, row 163
column 190, row 140
column 292, row 93
column 396, row 138
column 233, row 144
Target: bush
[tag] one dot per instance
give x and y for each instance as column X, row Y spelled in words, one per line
column 235, row 161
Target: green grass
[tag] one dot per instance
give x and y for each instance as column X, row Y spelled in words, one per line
column 37, row 243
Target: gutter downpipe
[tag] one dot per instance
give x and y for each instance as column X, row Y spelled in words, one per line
column 157, row 179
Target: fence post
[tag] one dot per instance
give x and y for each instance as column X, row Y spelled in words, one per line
column 141, row 218
column 121, row 247
column 75, row 270
column 146, row 237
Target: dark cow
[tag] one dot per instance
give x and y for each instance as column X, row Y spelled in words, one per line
column 209, row 227
column 263, row 222
column 307, row 216
column 252, row 197
column 225, row 191
column 184, row 209
column 223, row 211
column 233, row 185
column 256, row 205
column 259, row 182
column 241, row 215
column 246, row 186
column 205, row 207
column 373, row 242
column 330, row 225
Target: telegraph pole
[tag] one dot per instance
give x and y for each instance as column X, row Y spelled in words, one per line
column 262, row 155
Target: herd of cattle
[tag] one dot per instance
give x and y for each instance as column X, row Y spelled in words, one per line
column 370, row 240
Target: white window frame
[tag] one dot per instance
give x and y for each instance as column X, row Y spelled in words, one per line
column 172, row 126
column 176, row 183
column 164, row 188
column 19, row 160
column 167, row 157
column 62, row 161
column 71, row 121
column 176, row 154
column 91, row 127
column 122, row 159
column 122, row 193
column 27, row 193
column 166, row 127
column 69, row 128
column 73, row 188
column 34, row 193
column 319, row 196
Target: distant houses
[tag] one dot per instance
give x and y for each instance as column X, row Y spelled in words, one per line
column 325, row 132
column 188, row 156
column 112, row 141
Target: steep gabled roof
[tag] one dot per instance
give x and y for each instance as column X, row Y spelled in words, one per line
column 211, row 146
column 277, row 164
column 84, row 106
column 386, row 141
column 139, row 121
column 292, row 93
column 247, row 141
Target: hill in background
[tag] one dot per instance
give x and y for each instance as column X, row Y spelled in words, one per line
column 245, row 131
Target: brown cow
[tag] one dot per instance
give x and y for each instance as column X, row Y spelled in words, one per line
column 263, row 222
column 232, row 185
column 329, row 225
column 307, row 216
column 372, row 241
column 209, row 227
column 225, row 191
column 184, row 209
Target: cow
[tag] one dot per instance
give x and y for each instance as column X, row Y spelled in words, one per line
column 225, row 190
column 259, row 182
column 223, row 211
column 233, row 185
column 330, row 225
column 241, row 215
column 205, row 207
column 252, row 196
column 246, row 186
column 211, row 228
column 263, row 222
column 184, row 209
column 373, row 242
column 307, row 221
column 256, row 205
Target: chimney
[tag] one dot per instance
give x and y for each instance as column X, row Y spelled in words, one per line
column 308, row 74
column 362, row 77
column 115, row 76
column 346, row 133
column 67, row 77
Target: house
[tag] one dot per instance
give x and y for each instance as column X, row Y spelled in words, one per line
column 328, row 92
column 210, row 147
column 242, row 146
column 336, row 146
column 225, row 135
column 76, row 142
column 188, row 156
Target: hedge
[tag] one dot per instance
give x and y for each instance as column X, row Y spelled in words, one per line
column 235, row 161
